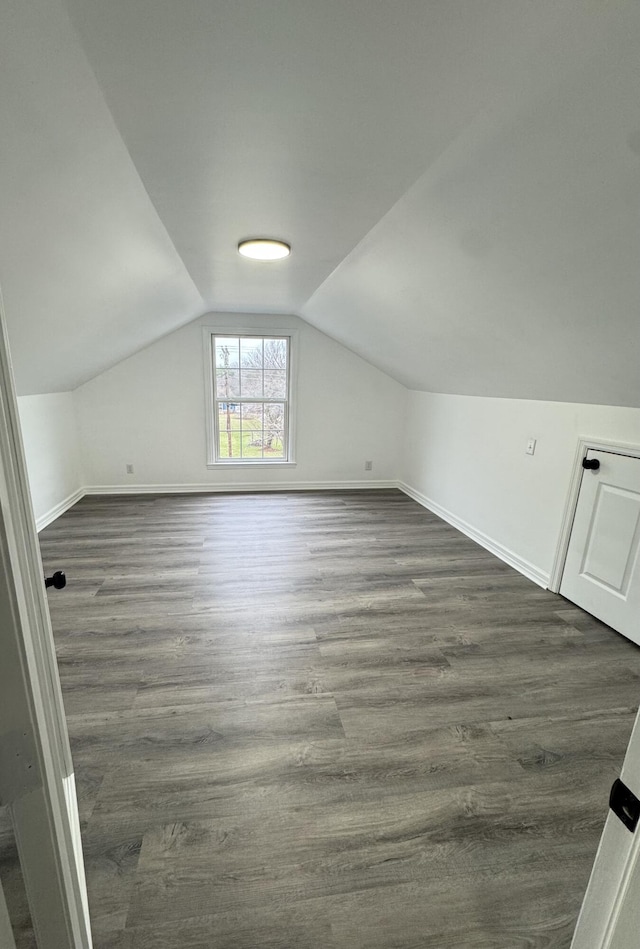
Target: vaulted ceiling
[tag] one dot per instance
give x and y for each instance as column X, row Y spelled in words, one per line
column 459, row 180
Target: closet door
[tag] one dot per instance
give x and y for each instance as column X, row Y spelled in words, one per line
column 602, row 569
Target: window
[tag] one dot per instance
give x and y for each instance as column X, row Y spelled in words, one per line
column 251, row 398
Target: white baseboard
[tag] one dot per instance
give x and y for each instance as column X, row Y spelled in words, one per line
column 541, row 577
column 235, row 487
column 45, row 519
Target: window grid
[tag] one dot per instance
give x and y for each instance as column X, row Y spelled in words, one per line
column 251, row 398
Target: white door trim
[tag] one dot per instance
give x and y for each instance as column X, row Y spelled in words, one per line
column 34, row 731
column 618, row 855
column 622, row 893
column 584, row 445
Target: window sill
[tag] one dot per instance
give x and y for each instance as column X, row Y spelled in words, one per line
column 251, row 464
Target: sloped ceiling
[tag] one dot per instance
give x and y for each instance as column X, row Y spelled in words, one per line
column 459, row 180
column 87, row 269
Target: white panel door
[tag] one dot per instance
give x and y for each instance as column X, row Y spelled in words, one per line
column 602, row 569
column 610, row 914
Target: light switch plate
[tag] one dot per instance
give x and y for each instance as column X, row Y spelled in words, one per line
column 531, row 446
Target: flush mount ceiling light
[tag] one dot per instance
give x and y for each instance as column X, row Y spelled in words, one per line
column 264, row 248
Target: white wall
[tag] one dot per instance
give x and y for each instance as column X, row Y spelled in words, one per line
column 50, row 437
column 467, row 455
column 149, row 411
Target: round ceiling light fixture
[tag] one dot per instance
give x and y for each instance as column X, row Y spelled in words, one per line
column 264, row 248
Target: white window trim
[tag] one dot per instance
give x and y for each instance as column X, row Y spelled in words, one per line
column 261, row 331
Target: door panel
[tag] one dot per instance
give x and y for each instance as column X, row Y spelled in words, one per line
column 602, row 569
column 611, row 907
column 612, row 542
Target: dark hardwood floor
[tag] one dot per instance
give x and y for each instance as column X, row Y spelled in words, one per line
column 328, row 719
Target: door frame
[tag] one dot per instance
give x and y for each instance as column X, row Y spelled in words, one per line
column 613, row 868
column 36, row 778
column 584, row 445
column 622, row 892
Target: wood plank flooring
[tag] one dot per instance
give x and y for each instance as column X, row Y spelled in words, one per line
column 328, row 719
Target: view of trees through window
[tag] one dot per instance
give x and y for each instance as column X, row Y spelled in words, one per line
column 251, row 396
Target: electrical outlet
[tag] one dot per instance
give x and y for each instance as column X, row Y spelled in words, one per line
column 129, row 469
column 368, row 466
column 531, row 446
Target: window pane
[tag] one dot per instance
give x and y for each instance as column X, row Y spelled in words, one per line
column 251, row 414
column 229, row 416
column 251, row 353
column 274, row 443
column 275, row 384
column 227, row 352
column 228, row 430
column 275, row 353
column 251, row 383
column 252, row 444
column 274, row 416
column 227, row 383
column 226, row 447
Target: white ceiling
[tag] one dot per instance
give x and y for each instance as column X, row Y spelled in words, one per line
column 87, row 269
column 459, row 180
